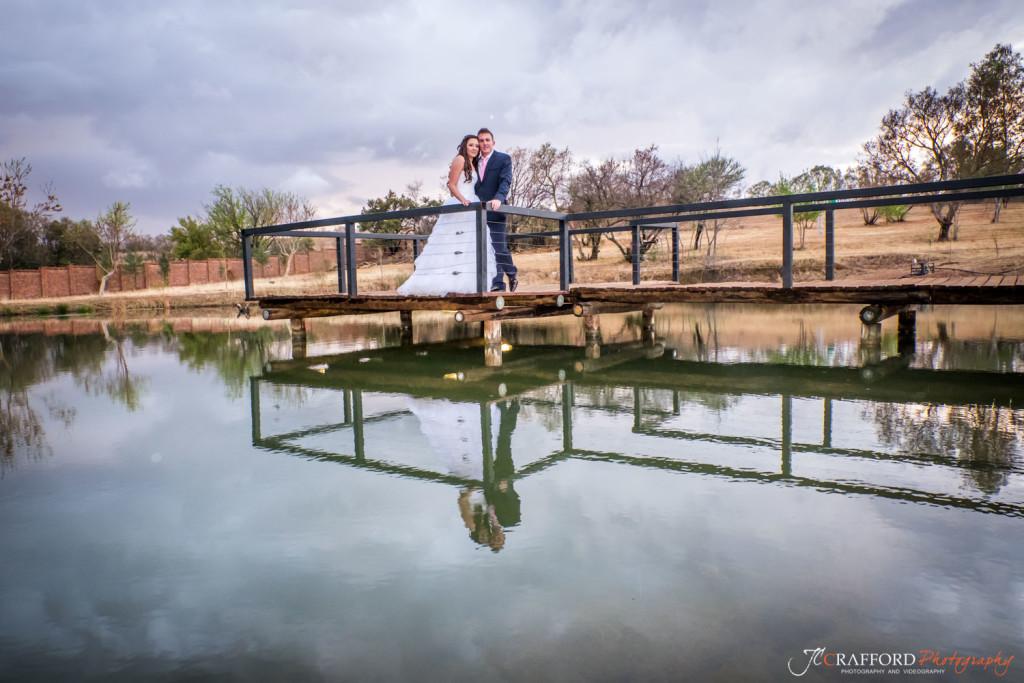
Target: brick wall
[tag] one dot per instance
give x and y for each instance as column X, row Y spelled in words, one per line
column 79, row 280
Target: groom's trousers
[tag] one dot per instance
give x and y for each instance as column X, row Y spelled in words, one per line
column 499, row 242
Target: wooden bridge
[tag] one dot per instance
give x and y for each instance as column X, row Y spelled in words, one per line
column 881, row 298
column 582, row 299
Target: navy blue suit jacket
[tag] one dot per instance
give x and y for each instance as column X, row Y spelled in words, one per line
column 497, row 179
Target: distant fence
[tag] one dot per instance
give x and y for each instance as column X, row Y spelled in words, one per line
column 48, row 283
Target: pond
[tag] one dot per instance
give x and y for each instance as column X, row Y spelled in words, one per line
column 748, row 494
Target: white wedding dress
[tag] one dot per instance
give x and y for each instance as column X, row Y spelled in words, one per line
column 447, row 263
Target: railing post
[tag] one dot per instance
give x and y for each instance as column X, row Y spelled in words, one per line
column 247, row 266
column 568, row 399
column 358, row 438
column 787, row 244
column 787, row 435
column 675, row 253
column 636, row 254
column 350, row 257
column 481, row 246
column 415, row 249
column 564, row 255
column 254, row 409
column 830, row 245
column 340, row 255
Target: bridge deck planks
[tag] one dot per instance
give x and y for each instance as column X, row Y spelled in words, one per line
column 957, row 289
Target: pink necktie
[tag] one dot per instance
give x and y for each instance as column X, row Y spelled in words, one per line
column 483, row 165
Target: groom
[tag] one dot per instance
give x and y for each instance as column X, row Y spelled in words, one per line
column 495, row 180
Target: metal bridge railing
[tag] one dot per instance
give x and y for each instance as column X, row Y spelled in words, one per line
column 638, row 219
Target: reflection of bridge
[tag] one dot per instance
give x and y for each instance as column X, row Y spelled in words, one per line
column 550, row 379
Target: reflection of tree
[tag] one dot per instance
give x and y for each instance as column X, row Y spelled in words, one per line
column 237, row 356
column 26, row 360
column 995, row 354
column 656, row 402
column 21, row 430
column 118, row 384
column 289, row 395
column 985, row 438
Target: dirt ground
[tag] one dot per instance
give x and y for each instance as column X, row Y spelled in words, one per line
column 745, row 249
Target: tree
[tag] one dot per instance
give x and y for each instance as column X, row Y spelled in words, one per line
column 802, row 219
column 231, row 212
column 642, row 180
column 817, row 179
column 714, row 178
column 192, row 239
column 134, row 264
column 993, row 106
column 293, row 209
column 62, row 242
column 111, row 229
column 895, row 213
column 235, row 210
column 393, row 201
column 540, row 180
column 19, row 224
column 420, row 225
column 864, row 176
column 594, row 188
column 976, row 129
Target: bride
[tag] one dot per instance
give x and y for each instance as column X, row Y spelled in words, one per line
column 448, row 263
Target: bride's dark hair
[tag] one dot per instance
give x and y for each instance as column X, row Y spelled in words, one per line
column 470, row 165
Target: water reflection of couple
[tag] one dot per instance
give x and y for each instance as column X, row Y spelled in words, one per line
column 448, row 263
column 455, row 437
column 488, row 516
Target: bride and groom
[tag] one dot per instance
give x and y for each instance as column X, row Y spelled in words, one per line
column 448, row 263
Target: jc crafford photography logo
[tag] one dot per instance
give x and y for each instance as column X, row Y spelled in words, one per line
column 898, row 663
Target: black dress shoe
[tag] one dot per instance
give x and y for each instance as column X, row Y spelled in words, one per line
column 513, row 282
column 498, row 288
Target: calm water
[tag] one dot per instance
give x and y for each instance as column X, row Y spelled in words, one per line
column 184, row 501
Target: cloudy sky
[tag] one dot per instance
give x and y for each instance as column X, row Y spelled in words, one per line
column 157, row 103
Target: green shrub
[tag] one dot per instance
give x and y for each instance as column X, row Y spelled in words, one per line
column 63, row 309
column 43, row 310
column 7, row 312
column 85, row 309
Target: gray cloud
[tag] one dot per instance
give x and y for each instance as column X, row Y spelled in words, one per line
column 158, row 103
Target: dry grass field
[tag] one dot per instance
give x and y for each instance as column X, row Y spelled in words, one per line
column 747, row 250
column 750, row 250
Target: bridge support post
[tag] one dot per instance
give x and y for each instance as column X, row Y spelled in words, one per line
column 492, row 343
column 298, row 326
column 564, row 255
column 350, row 257
column 247, row 274
column 871, row 334
column 870, row 344
column 647, row 327
column 339, row 251
column 405, row 318
column 906, row 332
column 787, row 245
column 830, row 245
column 675, row 253
column 592, row 336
